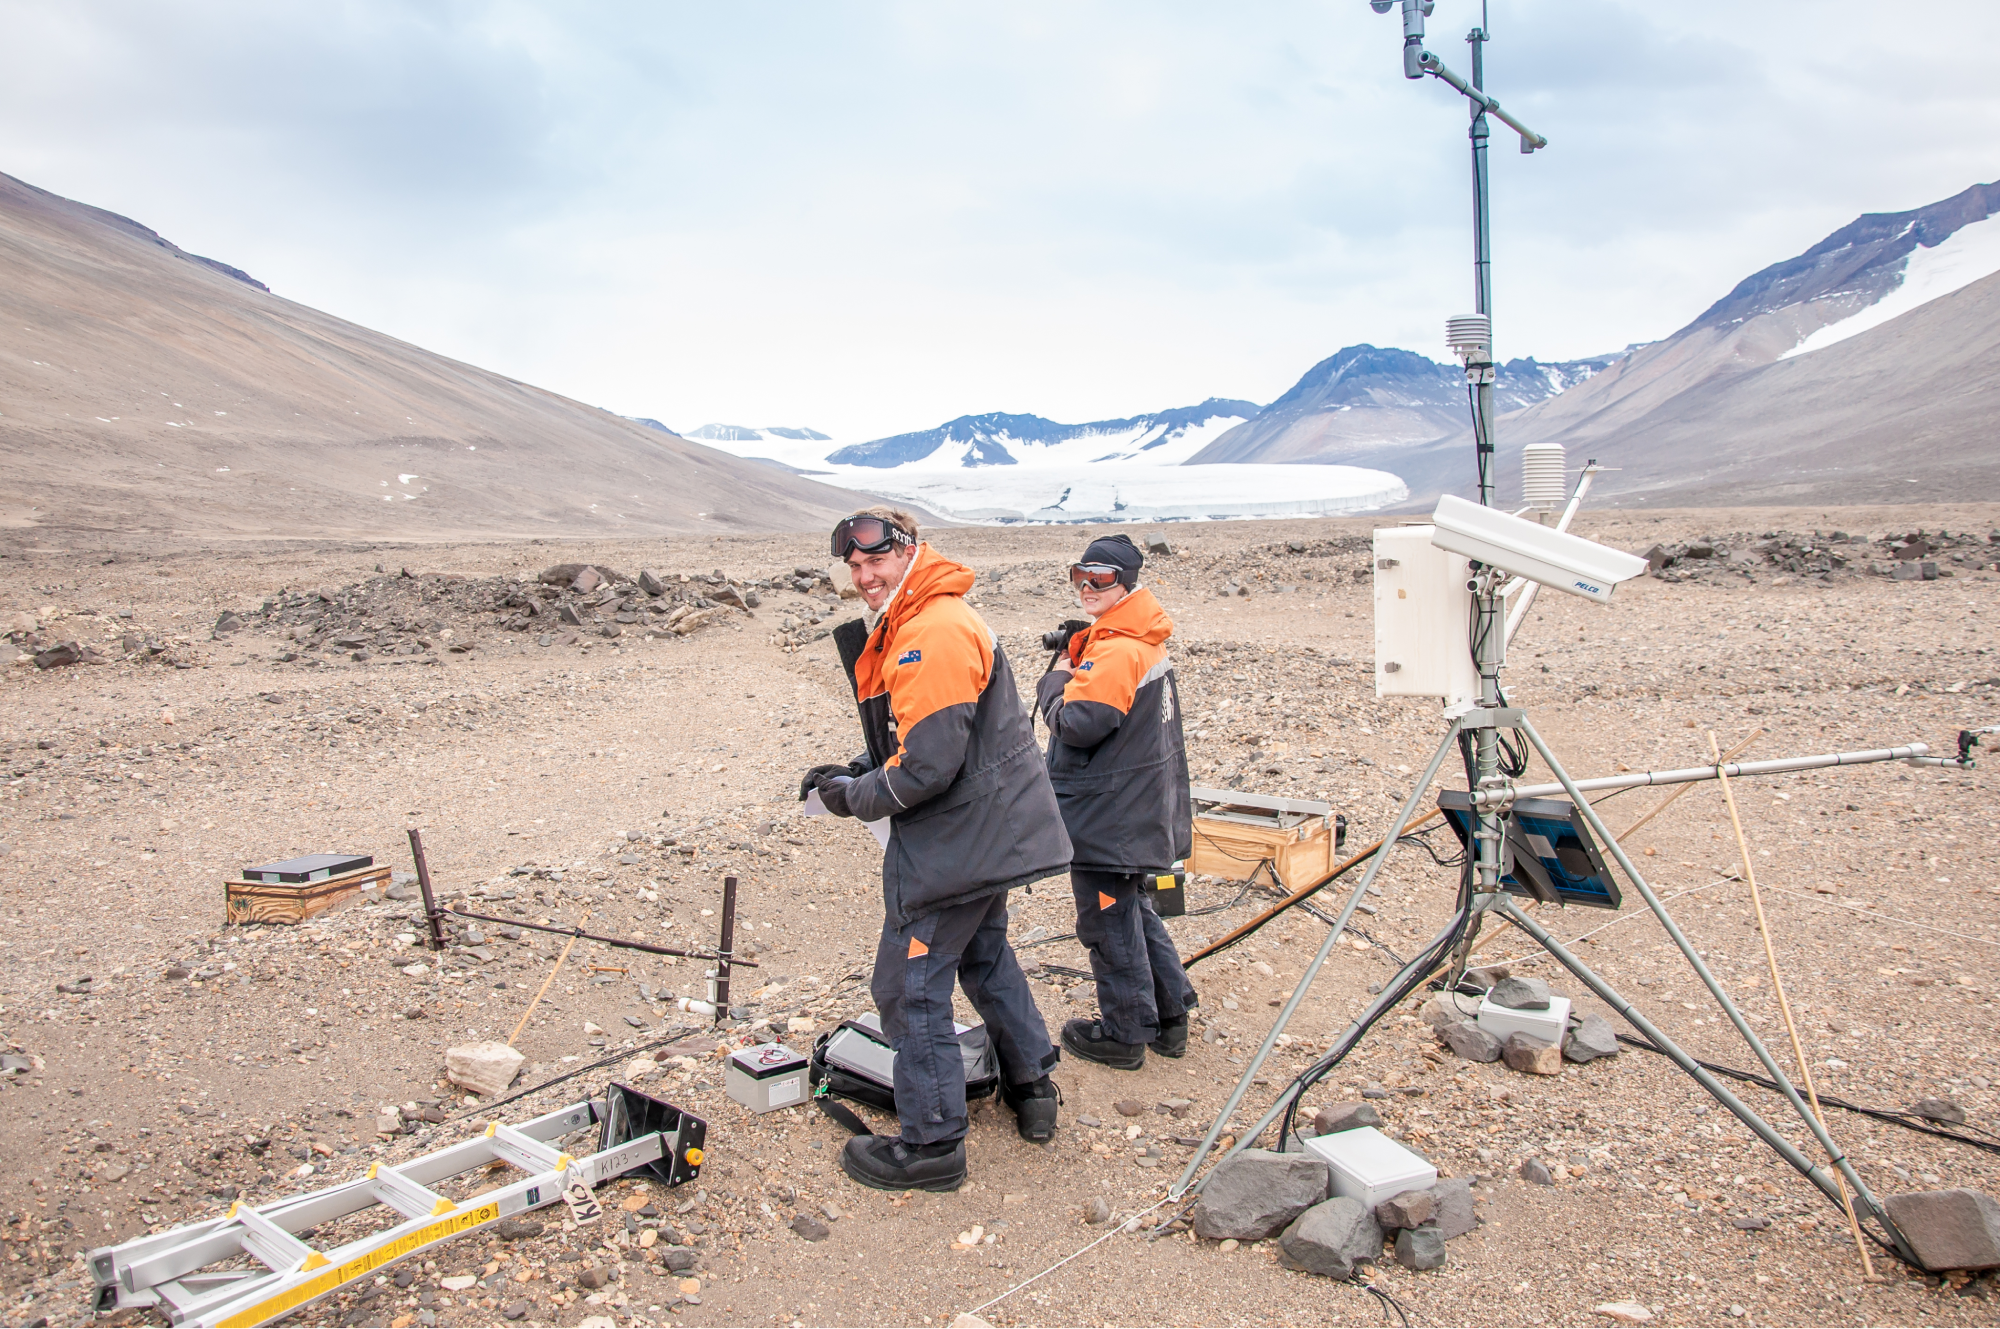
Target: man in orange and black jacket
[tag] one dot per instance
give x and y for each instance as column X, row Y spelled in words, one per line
column 952, row 764
column 1118, row 761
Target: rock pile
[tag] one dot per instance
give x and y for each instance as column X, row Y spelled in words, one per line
column 1259, row 1194
column 1824, row 556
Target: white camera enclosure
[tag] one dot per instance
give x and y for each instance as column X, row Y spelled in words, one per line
column 1422, row 607
column 1556, row 559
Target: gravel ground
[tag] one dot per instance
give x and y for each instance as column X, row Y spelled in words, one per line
column 620, row 778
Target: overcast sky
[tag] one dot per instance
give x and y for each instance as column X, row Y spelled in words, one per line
column 872, row 216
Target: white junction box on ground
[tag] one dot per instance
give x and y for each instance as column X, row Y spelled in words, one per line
column 1549, row 1025
column 1370, row 1166
column 1421, row 616
column 766, row 1077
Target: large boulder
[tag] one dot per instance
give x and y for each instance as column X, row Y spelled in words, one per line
column 1345, row 1117
column 1468, row 1040
column 1592, row 1038
column 1451, row 1207
column 1955, row 1229
column 1256, row 1193
column 1332, row 1237
column 484, row 1068
column 1520, row 994
column 1420, row 1248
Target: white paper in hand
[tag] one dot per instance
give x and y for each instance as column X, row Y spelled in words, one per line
column 879, row 828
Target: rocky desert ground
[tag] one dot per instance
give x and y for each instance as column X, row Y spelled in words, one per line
column 238, row 701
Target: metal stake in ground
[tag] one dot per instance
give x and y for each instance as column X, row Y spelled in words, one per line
column 431, row 912
column 724, row 950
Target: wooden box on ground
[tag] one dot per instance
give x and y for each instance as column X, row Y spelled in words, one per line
column 1301, row 854
column 274, row 902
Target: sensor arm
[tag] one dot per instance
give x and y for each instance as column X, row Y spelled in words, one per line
column 1435, row 67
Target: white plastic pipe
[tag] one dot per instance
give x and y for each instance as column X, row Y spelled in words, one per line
column 1519, row 613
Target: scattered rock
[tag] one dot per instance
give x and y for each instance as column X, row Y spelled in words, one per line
column 459, row 1282
column 1451, row 1208
column 678, row 1259
column 1954, row 1229
column 596, row 1276
column 1157, row 544
column 1592, row 1038
column 1258, row 1192
column 1345, row 1117
column 1533, row 1169
column 1420, row 1248
column 484, row 1068
column 1468, row 1040
column 1129, row 1107
column 810, row 1228
column 1441, row 1010
column 1531, row 1055
column 1520, row 994
column 1410, row 1209
column 514, row 1310
column 1097, row 1212
column 1331, row 1237
column 1486, row 976
column 1940, row 1109
column 650, row 583
column 389, row 1123
column 517, row 1229
column 1625, row 1312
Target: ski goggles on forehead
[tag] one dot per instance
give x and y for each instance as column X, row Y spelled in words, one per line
column 1096, row 576
column 870, row 535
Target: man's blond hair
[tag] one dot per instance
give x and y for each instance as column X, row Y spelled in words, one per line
column 896, row 517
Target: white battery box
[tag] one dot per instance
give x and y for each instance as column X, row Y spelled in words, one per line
column 1549, row 1025
column 766, row 1077
column 1370, row 1166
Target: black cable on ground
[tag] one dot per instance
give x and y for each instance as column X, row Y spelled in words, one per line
column 1389, row 1303
column 1894, row 1116
column 1249, row 884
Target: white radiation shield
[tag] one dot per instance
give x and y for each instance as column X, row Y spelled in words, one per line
column 1556, row 559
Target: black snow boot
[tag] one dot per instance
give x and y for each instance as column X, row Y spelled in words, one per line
column 1087, row 1039
column 1034, row 1108
column 1172, row 1041
column 886, row 1163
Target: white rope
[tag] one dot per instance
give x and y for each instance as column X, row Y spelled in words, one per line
column 1122, row 1227
column 1622, row 918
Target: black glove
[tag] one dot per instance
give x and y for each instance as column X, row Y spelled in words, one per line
column 833, row 794
column 820, row 774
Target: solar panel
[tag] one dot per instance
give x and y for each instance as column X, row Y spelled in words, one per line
column 1548, row 853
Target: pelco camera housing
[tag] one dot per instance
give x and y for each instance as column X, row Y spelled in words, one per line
column 1556, row 559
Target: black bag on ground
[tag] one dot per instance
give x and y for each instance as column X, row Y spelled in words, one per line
column 854, row 1061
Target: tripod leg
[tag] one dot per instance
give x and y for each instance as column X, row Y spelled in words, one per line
column 1686, row 948
column 1744, row 1113
column 1403, row 818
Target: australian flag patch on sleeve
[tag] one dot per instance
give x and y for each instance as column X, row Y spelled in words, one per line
column 910, row 657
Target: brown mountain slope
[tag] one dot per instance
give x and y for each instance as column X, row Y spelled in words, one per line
column 142, row 388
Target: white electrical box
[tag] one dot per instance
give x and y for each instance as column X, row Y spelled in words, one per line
column 1423, row 608
column 1549, row 1025
column 1370, row 1166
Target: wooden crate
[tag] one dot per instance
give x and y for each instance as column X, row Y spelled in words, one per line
column 295, row 902
column 1301, row 854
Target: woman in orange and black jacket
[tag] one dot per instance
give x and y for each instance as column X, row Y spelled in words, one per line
column 1118, row 761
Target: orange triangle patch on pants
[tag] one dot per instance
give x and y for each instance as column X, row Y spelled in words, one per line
column 1104, row 901
column 918, row 948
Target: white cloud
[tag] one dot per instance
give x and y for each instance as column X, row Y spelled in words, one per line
column 869, row 217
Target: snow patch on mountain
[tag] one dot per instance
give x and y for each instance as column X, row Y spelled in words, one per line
column 1969, row 253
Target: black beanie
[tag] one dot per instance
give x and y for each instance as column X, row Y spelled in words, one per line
column 1119, row 552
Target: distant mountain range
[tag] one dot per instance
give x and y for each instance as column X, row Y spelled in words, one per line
column 998, row 439
column 1859, row 370
column 745, row 434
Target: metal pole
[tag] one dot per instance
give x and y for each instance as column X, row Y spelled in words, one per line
column 1690, row 774
column 1409, row 810
column 1686, row 948
column 1743, row 1112
column 432, row 914
column 725, row 949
